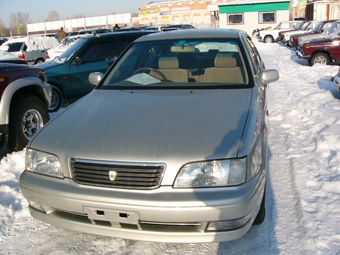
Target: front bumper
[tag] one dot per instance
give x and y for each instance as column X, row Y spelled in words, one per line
column 301, row 55
column 337, row 82
column 161, row 215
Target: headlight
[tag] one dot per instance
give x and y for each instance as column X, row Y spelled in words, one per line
column 215, row 173
column 43, row 163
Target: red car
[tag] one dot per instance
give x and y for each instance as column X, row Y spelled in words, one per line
column 323, row 51
column 321, row 28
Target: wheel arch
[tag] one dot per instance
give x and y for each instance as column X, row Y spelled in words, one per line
column 268, row 36
column 56, row 84
column 324, row 52
column 29, row 85
column 39, row 60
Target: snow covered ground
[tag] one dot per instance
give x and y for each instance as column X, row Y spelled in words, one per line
column 303, row 192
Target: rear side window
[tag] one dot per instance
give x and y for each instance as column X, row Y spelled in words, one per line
column 124, row 42
column 99, row 51
column 13, row 47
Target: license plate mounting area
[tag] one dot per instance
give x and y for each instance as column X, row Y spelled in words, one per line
column 114, row 216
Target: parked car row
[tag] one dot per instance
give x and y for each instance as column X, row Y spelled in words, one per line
column 320, row 45
column 272, row 35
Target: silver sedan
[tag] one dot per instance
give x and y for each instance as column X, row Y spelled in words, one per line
column 171, row 145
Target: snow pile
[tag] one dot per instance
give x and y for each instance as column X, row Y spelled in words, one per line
column 33, row 42
column 8, row 55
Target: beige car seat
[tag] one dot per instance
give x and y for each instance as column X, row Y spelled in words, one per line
column 168, row 65
column 225, row 70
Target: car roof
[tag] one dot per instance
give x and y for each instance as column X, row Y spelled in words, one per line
column 193, row 33
column 113, row 34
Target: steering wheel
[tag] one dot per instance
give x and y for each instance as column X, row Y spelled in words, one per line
column 151, row 69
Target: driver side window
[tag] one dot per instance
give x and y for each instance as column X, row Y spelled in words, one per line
column 99, row 52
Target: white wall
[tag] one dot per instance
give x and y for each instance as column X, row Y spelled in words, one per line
column 251, row 21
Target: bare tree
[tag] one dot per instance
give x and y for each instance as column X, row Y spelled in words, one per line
column 2, row 26
column 52, row 16
column 18, row 22
column 79, row 16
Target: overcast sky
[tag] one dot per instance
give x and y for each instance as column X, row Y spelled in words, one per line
column 39, row 10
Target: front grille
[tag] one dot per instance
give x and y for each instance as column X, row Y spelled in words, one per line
column 116, row 174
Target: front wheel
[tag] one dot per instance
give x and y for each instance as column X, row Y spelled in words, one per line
column 268, row 39
column 56, row 100
column 28, row 115
column 320, row 58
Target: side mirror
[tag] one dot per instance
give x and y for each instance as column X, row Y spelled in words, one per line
column 95, row 78
column 269, row 75
column 76, row 61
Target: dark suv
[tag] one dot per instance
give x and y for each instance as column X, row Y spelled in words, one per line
column 24, row 100
column 68, row 74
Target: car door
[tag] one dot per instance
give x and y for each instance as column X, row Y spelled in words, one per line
column 96, row 57
column 261, row 101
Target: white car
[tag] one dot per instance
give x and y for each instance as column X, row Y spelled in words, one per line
column 4, row 55
column 64, row 45
column 30, row 48
column 271, row 35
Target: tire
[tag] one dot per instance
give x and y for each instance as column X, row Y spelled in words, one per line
column 28, row 115
column 39, row 60
column 320, row 58
column 262, row 212
column 268, row 39
column 56, row 100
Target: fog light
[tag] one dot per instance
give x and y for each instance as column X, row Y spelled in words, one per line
column 36, row 206
column 227, row 225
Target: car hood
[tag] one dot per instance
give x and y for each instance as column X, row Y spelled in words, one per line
column 150, row 125
column 312, row 37
column 47, row 65
column 322, row 40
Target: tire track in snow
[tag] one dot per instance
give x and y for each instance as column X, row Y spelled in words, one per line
column 295, row 136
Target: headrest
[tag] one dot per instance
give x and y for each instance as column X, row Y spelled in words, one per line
column 223, row 60
column 170, row 62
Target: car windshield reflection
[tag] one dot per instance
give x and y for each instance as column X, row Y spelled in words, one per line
column 180, row 63
column 70, row 51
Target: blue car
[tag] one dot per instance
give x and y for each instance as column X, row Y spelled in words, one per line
column 68, row 73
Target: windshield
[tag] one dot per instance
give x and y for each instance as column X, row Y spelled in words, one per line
column 180, row 63
column 71, row 50
column 333, row 28
column 318, row 27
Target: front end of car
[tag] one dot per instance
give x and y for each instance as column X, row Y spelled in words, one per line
column 157, row 157
column 337, row 81
column 305, row 51
column 192, row 210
